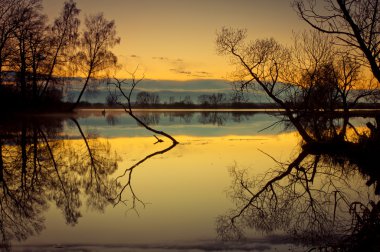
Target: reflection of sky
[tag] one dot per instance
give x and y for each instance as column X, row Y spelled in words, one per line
column 185, row 189
column 193, row 124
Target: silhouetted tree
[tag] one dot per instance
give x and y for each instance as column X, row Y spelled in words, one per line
column 260, row 63
column 171, row 100
column 355, row 24
column 318, row 69
column 238, row 97
column 187, row 100
column 8, row 23
column 212, row 99
column 124, row 99
column 94, row 55
column 147, row 98
column 30, row 35
column 63, row 37
column 31, row 50
column 125, row 89
column 309, row 77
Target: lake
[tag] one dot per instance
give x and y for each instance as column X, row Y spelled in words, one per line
column 98, row 180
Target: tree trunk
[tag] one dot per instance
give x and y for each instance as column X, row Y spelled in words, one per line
column 83, row 89
column 22, row 73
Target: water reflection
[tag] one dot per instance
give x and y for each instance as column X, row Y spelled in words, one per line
column 112, row 119
column 40, row 164
column 183, row 116
column 214, row 118
column 200, row 123
column 218, row 118
column 125, row 179
column 325, row 197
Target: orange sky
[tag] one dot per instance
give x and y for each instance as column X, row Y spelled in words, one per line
column 175, row 39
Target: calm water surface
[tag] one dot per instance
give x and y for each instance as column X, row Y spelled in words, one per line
column 102, row 182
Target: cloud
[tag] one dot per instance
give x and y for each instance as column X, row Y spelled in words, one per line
column 161, row 58
column 198, row 74
column 180, row 66
column 202, row 74
column 180, row 71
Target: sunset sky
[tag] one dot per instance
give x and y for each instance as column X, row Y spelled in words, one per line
column 175, row 39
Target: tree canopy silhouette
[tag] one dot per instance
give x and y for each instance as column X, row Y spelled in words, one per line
column 355, row 24
column 36, row 57
column 94, row 55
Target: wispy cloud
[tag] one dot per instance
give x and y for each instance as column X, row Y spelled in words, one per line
column 161, row 58
column 180, row 71
column 180, row 66
column 198, row 74
column 202, row 74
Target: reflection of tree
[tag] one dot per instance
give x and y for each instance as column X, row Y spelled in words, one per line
column 112, row 119
column 220, row 118
column 215, row 118
column 37, row 166
column 184, row 117
column 96, row 171
column 241, row 116
column 127, row 175
column 314, row 197
column 150, row 118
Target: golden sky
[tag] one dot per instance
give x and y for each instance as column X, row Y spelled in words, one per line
column 175, row 39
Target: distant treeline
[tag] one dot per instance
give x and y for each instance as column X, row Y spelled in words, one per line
column 152, row 99
column 237, row 100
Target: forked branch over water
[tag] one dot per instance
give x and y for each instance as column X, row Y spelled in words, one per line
column 127, row 95
column 119, row 85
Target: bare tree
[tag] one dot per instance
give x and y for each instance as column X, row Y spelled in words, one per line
column 13, row 15
column 354, row 23
column 260, row 63
column 238, row 97
column 147, row 98
column 8, row 9
column 63, row 37
column 123, row 96
column 309, row 77
column 31, row 49
column 212, row 99
column 125, row 90
column 29, row 38
column 94, row 56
